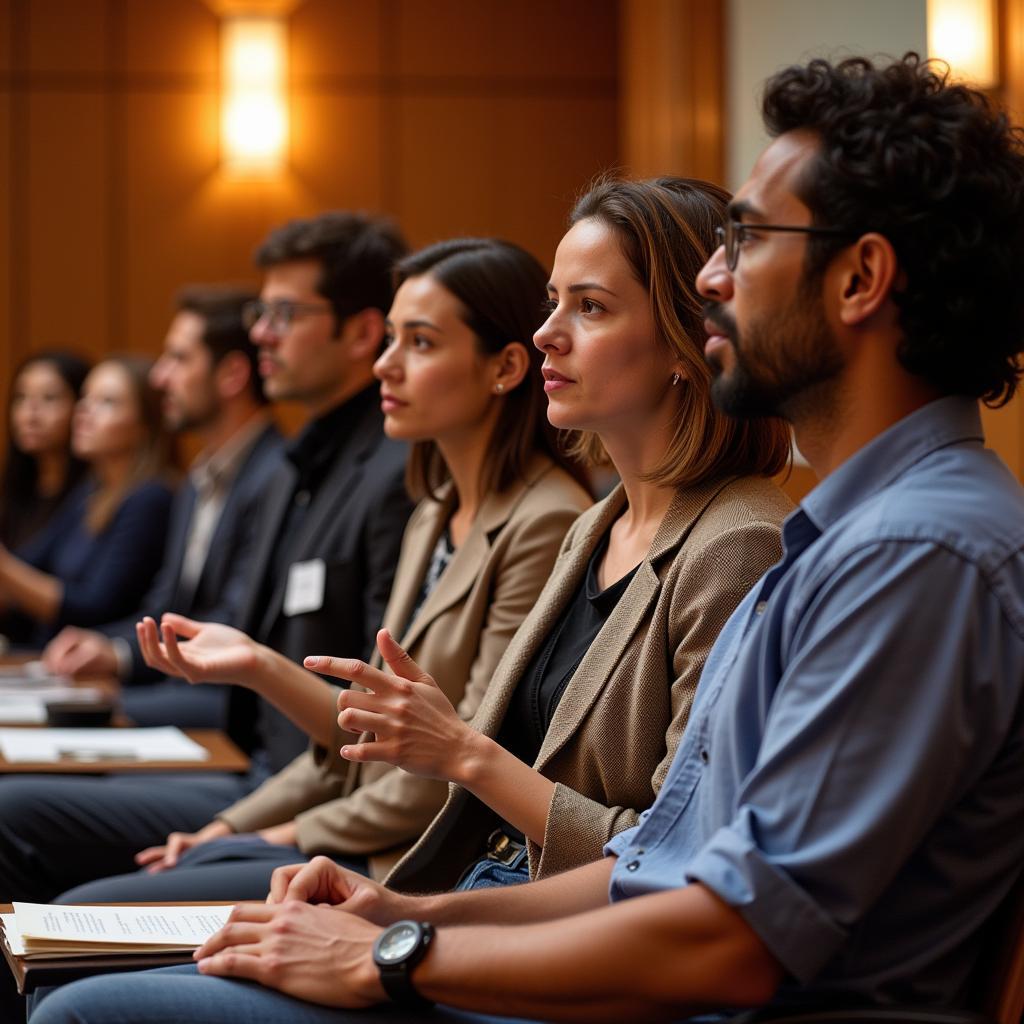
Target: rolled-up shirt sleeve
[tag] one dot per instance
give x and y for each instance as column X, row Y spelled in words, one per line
column 893, row 680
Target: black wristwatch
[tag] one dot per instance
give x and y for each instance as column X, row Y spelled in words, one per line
column 398, row 949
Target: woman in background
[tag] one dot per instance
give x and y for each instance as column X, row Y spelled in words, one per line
column 40, row 470
column 96, row 557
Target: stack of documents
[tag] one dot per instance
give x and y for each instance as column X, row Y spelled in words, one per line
column 83, row 746
column 39, row 931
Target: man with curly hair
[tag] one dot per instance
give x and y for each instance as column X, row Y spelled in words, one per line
column 844, row 812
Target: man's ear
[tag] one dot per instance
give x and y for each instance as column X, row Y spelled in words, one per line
column 232, row 375
column 364, row 334
column 868, row 273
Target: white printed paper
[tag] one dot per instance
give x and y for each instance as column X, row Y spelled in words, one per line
column 87, row 745
column 41, row 927
column 305, row 589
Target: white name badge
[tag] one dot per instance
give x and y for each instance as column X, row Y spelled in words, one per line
column 305, row 590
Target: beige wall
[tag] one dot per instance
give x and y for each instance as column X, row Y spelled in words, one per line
column 765, row 35
column 455, row 116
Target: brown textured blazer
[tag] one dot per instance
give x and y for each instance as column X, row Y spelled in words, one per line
column 458, row 636
column 616, row 728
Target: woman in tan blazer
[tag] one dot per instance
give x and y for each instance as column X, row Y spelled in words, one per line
column 497, row 500
column 694, row 523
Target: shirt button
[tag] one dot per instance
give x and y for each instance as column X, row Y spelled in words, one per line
column 760, row 607
column 633, row 865
column 705, row 756
column 302, row 498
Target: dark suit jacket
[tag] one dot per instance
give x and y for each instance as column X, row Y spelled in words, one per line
column 354, row 523
column 220, row 591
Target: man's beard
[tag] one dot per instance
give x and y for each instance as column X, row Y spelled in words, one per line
column 782, row 364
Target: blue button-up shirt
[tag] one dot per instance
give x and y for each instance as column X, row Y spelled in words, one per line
column 852, row 776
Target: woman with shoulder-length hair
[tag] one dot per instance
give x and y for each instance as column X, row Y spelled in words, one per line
column 95, row 559
column 461, row 380
column 578, row 728
column 39, row 470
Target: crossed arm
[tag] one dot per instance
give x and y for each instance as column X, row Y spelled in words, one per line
column 553, row 949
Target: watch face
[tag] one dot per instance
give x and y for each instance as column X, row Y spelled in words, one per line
column 397, row 942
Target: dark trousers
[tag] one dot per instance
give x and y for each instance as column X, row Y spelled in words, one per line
column 62, row 831
column 175, row 702
column 232, row 868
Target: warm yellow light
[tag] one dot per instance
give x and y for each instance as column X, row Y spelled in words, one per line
column 963, row 33
column 254, row 117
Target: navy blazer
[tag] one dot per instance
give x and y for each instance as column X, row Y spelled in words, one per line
column 105, row 574
column 220, row 591
column 354, row 524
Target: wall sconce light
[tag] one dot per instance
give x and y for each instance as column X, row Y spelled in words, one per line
column 963, row 34
column 254, row 110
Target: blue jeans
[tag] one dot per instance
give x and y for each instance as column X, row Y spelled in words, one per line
column 173, row 995
column 492, row 874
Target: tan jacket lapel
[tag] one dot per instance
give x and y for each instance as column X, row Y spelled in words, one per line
column 464, row 568
column 565, row 577
column 615, row 640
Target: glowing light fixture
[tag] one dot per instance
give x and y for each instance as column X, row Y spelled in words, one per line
column 963, row 33
column 254, row 113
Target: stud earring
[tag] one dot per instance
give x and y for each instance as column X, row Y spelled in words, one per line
column 675, row 379
column 499, row 388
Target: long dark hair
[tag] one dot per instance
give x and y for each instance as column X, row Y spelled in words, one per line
column 502, row 289
column 19, row 479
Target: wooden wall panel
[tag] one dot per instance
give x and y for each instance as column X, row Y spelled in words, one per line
column 7, row 355
column 5, row 36
column 67, row 37
column 336, row 151
column 331, row 40
column 1004, row 428
column 66, row 248
column 167, row 38
column 453, row 116
column 531, row 39
column 165, row 235
column 673, row 87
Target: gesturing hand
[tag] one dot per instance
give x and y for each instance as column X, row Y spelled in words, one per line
column 414, row 724
column 312, row 953
column 80, row 653
column 213, row 653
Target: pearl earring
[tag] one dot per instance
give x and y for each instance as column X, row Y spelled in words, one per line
column 499, row 388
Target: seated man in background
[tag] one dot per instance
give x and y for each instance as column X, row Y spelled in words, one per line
column 325, row 553
column 843, row 814
column 210, row 384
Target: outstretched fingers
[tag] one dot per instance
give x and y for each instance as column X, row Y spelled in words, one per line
column 398, row 659
column 150, row 647
column 351, row 669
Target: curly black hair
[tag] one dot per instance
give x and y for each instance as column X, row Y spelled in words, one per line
column 935, row 168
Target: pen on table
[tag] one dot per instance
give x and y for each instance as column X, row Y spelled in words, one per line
column 95, row 754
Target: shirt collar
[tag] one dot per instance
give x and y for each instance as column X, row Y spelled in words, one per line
column 938, row 424
column 212, row 468
column 323, row 437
